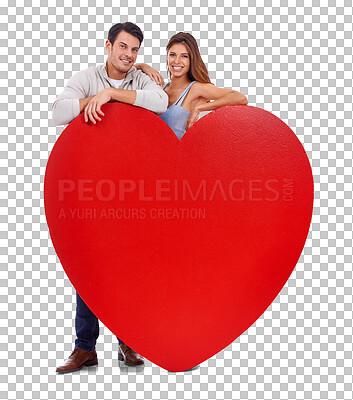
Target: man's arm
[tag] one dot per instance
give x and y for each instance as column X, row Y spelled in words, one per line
column 72, row 101
column 83, row 102
column 151, row 72
column 151, row 97
column 122, row 95
column 93, row 106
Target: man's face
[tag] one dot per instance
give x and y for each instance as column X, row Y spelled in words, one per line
column 122, row 55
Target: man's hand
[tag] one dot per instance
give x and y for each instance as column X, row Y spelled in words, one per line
column 152, row 73
column 194, row 116
column 94, row 105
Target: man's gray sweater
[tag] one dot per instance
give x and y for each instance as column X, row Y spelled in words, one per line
column 92, row 80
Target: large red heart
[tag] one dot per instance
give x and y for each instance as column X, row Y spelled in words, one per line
column 178, row 246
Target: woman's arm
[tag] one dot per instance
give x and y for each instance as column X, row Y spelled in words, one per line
column 221, row 97
column 151, row 72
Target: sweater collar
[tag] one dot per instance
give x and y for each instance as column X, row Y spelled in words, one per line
column 129, row 76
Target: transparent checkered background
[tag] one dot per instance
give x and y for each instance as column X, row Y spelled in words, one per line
column 292, row 58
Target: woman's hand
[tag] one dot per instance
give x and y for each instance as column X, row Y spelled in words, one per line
column 194, row 116
column 94, row 105
column 151, row 72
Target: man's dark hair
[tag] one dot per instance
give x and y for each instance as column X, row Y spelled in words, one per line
column 128, row 27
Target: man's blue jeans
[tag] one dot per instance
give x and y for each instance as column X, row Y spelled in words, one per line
column 87, row 326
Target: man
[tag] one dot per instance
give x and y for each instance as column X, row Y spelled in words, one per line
column 86, row 91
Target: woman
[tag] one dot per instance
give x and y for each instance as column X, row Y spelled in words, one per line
column 190, row 90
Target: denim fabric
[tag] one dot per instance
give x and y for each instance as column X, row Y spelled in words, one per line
column 87, row 326
column 177, row 116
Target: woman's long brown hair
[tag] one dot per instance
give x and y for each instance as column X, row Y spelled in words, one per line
column 198, row 71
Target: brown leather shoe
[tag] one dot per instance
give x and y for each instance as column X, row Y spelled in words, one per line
column 129, row 356
column 77, row 360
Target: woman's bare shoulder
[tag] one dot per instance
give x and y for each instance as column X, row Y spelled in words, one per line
column 200, row 85
column 198, row 88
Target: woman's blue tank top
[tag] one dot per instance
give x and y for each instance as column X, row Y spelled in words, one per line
column 176, row 116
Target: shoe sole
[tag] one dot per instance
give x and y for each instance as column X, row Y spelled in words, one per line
column 90, row 363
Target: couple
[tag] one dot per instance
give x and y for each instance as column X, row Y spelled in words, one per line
column 179, row 104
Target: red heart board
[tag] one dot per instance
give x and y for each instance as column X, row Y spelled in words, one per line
column 178, row 246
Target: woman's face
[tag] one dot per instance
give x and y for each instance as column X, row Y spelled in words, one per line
column 178, row 60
